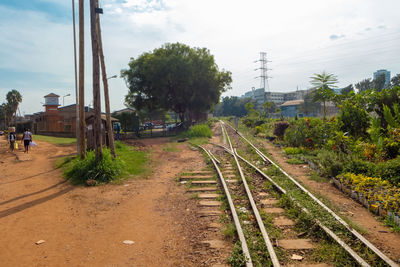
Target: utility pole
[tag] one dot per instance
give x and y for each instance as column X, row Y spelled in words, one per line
column 110, row 132
column 96, row 82
column 81, row 102
column 76, row 81
column 264, row 71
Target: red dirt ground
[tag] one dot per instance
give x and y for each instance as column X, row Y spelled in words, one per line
column 85, row 226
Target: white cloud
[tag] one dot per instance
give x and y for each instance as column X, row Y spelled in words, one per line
column 295, row 35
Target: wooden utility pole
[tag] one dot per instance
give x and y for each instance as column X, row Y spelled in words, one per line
column 82, row 123
column 110, row 132
column 76, row 82
column 96, row 82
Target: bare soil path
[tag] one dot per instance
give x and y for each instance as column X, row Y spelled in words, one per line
column 86, row 226
column 380, row 235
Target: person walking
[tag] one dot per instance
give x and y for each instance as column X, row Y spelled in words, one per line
column 27, row 138
column 12, row 138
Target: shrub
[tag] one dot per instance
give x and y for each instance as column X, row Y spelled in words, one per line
column 105, row 170
column 293, row 150
column 354, row 119
column 389, row 170
column 331, row 163
column 280, row 128
column 359, row 166
column 199, row 130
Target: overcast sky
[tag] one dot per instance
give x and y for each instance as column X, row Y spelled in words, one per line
column 350, row 38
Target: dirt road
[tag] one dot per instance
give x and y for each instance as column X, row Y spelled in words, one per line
column 86, row 226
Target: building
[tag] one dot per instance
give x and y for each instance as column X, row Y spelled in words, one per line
column 55, row 120
column 291, row 108
column 387, row 76
column 276, row 97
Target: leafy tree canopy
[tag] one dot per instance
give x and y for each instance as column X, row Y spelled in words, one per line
column 175, row 77
column 395, row 81
column 232, row 106
column 323, row 85
column 379, row 82
column 365, row 85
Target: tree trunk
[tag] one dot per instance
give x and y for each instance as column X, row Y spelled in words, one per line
column 105, row 84
column 82, row 123
column 96, row 83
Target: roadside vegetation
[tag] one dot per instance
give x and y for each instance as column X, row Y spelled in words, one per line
column 55, row 140
column 359, row 148
column 130, row 162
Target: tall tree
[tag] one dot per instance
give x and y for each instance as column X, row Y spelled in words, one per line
column 14, row 98
column 395, row 81
column 175, row 77
column 379, row 82
column 323, row 84
column 364, row 85
column 348, row 89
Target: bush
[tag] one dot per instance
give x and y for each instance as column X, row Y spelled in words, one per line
column 280, row 128
column 105, row 170
column 354, row 119
column 199, row 130
column 331, row 163
column 389, row 170
column 293, row 150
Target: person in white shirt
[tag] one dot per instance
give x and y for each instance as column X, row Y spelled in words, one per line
column 27, row 138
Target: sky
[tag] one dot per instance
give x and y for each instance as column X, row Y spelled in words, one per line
column 349, row 38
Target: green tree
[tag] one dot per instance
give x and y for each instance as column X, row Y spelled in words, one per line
column 348, row 89
column 365, row 85
column 353, row 119
column 323, row 84
column 269, row 107
column 379, row 83
column 175, row 77
column 14, row 98
column 395, row 81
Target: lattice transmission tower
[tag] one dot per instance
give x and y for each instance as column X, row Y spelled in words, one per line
column 264, row 71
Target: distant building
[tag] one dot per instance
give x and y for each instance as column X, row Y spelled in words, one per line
column 291, row 108
column 55, row 120
column 387, row 76
column 276, row 97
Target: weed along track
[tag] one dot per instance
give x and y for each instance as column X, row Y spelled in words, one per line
column 300, row 229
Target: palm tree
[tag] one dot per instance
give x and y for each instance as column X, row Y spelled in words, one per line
column 323, row 85
column 13, row 99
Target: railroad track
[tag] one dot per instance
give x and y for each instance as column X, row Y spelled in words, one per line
column 271, row 212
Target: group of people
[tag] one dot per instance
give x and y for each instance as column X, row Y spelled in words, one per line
column 26, row 139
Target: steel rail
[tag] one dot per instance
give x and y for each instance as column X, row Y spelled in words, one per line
column 354, row 254
column 345, row 224
column 261, row 226
column 239, row 229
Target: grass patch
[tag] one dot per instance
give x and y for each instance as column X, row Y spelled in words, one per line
column 316, row 177
column 229, row 230
column 55, row 140
column 129, row 162
column 170, row 147
column 392, row 224
column 198, row 141
column 199, row 130
column 295, row 161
